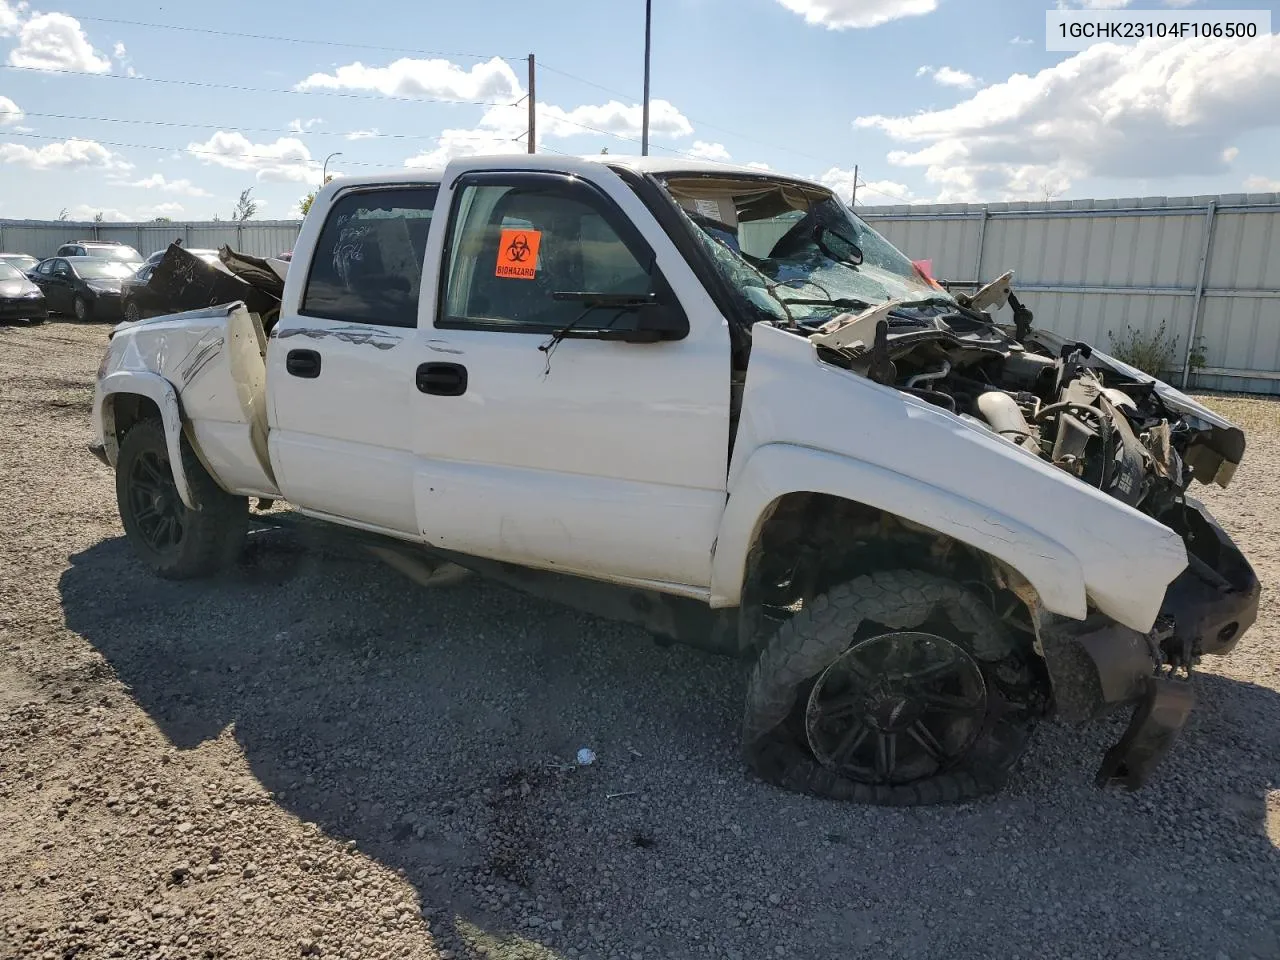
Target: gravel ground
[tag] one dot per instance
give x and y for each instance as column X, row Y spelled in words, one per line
column 313, row 757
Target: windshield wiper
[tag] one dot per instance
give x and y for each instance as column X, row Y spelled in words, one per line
column 845, row 303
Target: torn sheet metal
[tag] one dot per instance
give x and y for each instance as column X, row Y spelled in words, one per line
column 189, row 283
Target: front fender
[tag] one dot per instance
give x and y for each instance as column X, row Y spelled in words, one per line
column 160, row 392
column 776, row 469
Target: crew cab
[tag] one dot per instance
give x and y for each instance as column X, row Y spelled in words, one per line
column 714, row 402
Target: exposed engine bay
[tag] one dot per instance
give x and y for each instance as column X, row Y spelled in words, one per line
column 1112, row 427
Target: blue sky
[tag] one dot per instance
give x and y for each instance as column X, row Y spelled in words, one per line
column 953, row 100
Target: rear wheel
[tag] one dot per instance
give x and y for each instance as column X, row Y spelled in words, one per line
column 173, row 541
column 897, row 688
column 131, row 312
column 81, row 308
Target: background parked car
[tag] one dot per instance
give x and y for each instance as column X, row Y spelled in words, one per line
column 23, row 261
column 20, row 298
column 102, row 249
column 86, row 287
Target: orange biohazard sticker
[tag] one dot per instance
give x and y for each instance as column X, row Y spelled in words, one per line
column 518, row 254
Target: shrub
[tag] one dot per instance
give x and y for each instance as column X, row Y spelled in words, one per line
column 1153, row 353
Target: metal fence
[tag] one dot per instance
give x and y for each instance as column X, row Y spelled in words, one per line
column 41, row 238
column 1208, row 267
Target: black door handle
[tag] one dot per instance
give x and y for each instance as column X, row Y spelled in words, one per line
column 303, row 363
column 442, row 379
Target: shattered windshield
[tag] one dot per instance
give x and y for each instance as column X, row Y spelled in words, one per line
column 779, row 242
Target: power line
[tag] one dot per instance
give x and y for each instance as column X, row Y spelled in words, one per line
column 196, row 151
column 326, row 43
column 241, row 89
column 232, row 128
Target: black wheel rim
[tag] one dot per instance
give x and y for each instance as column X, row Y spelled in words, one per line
column 896, row 708
column 81, row 309
column 131, row 312
column 158, row 511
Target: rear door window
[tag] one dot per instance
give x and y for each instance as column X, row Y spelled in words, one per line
column 367, row 266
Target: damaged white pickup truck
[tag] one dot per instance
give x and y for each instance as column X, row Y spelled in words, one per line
column 714, row 402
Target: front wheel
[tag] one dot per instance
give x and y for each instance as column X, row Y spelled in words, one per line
column 131, row 312
column 897, row 688
column 174, row 541
column 81, row 308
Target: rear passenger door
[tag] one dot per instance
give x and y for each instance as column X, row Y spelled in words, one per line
column 341, row 361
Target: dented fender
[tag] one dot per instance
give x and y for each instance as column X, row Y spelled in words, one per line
column 777, row 469
column 160, row 392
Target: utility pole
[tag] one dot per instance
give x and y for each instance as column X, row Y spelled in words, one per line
column 854, row 198
column 644, row 133
column 533, row 108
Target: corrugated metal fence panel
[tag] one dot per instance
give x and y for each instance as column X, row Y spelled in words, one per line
column 264, row 238
column 1089, row 268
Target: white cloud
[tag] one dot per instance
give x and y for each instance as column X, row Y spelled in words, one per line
column 285, row 160
column 119, row 52
column 84, row 211
column 874, row 192
column 363, row 134
column 1230, row 154
column 501, row 129
column 1147, row 111
column 71, row 154
column 757, row 165
column 10, row 112
column 298, row 125
column 1261, row 185
column 10, row 17
column 437, row 79
column 948, row 76
column 613, row 117
column 1021, row 41
column 709, row 151
column 841, row 14
column 55, row 41
column 463, row 143
column 157, row 181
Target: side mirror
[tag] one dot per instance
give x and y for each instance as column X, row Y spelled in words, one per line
column 656, row 322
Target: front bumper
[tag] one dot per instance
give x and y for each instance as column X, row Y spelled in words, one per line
column 1097, row 666
column 23, row 308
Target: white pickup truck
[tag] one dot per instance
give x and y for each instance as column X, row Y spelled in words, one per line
column 715, row 402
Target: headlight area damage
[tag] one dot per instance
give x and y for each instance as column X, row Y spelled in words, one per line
column 1112, row 427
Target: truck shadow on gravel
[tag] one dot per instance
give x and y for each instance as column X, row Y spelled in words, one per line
column 438, row 729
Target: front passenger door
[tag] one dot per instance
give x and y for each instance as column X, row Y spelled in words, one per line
column 552, row 446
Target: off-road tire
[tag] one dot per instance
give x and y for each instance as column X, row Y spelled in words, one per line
column 773, row 739
column 212, row 537
column 81, row 309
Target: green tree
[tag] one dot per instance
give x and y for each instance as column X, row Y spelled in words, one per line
column 304, row 205
column 246, row 206
column 98, row 217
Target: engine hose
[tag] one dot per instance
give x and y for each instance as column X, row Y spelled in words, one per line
column 936, row 397
column 1069, row 406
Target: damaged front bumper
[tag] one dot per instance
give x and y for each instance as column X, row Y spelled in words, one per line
column 1097, row 666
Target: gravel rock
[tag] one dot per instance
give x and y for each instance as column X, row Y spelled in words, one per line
column 312, row 757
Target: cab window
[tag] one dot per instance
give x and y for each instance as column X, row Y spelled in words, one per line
column 517, row 246
column 367, row 265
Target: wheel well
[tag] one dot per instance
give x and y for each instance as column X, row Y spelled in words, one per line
column 121, row 411
column 809, row 542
